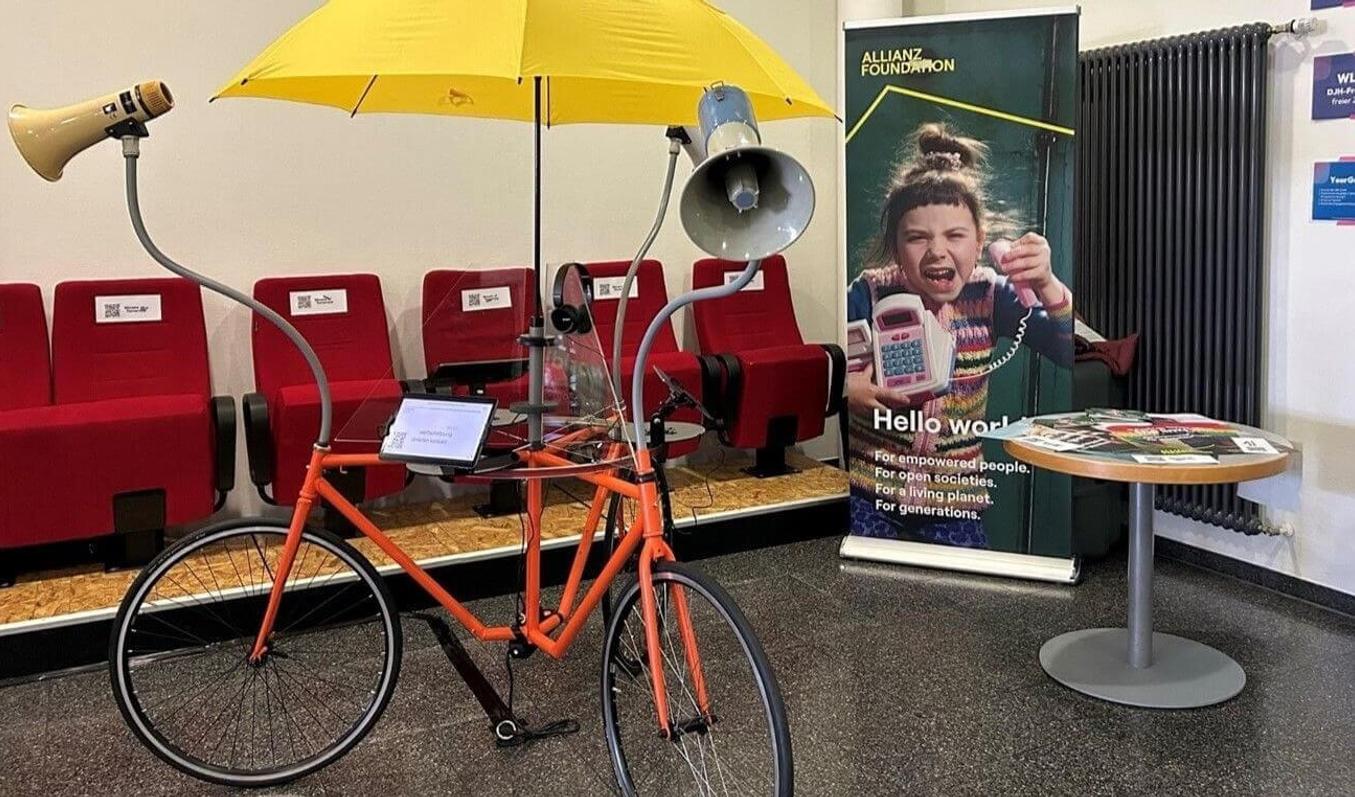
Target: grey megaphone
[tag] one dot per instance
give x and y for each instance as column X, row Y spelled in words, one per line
column 49, row 138
column 744, row 201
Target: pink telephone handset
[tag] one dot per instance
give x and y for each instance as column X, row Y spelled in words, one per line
column 914, row 355
column 996, row 251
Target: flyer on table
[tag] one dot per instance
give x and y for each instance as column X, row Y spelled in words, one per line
column 960, row 151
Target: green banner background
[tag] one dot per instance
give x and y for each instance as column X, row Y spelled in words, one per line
column 1026, row 67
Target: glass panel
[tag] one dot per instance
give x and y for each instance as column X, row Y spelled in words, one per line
column 470, row 339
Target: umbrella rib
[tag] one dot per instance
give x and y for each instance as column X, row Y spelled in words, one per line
column 780, row 88
column 370, row 83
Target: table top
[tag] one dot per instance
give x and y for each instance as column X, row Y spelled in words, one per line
column 1230, row 468
column 674, row 432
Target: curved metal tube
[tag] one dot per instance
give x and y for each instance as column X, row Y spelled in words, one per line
column 673, row 149
column 131, row 150
column 637, row 382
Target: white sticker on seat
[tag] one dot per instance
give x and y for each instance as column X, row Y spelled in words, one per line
column 755, row 284
column 323, row 302
column 473, row 299
column 129, row 309
column 610, row 287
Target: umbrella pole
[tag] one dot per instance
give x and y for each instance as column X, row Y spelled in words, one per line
column 536, row 340
column 538, row 319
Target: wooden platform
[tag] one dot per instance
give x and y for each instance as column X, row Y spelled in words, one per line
column 451, row 532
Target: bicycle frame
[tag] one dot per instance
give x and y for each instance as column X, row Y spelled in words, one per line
column 645, row 536
column 555, row 632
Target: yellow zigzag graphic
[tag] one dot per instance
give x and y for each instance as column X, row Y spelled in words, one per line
column 1010, row 117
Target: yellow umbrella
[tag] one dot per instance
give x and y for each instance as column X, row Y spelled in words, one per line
column 557, row 61
column 619, row 61
column 552, row 61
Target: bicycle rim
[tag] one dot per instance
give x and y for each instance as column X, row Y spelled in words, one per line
column 180, row 649
column 741, row 746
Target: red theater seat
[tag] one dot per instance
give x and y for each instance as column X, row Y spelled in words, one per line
column 132, row 440
column 25, row 374
column 649, row 295
column 778, row 388
column 343, row 317
column 475, row 316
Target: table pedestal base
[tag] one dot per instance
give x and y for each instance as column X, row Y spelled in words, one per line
column 1183, row 674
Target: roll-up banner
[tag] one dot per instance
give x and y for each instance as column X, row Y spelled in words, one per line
column 958, row 223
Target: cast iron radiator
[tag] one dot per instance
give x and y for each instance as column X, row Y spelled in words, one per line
column 1171, row 169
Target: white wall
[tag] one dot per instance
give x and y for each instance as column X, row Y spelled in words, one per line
column 248, row 188
column 243, row 189
column 1310, row 379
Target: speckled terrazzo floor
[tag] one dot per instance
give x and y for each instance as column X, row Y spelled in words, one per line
column 896, row 681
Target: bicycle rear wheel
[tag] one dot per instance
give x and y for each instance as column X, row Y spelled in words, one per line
column 179, row 654
column 741, row 745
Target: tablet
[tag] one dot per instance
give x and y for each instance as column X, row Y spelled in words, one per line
column 439, row 430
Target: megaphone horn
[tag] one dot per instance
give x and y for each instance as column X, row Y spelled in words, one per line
column 49, row 138
column 744, row 201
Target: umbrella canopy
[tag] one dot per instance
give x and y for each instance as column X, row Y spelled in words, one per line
column 615, row 61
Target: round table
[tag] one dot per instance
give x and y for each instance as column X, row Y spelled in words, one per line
column 1137, row 666
column 673, row 432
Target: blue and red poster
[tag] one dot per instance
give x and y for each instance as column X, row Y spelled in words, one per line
column 1334, row 86
column 1318, row 5
column 1334, row 191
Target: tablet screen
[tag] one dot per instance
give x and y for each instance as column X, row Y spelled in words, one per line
column 439, row 429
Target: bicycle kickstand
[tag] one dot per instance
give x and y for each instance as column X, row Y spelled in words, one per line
column 509, row 729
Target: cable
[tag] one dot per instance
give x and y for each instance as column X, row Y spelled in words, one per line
column 1001, row 361
column 570, row 494
column 707, row 481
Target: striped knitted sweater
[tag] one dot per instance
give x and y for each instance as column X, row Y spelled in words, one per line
column 929, row 468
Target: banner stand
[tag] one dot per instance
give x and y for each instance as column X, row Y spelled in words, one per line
column 963, row 560
column 939, row 342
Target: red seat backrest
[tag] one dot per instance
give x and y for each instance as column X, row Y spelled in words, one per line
column 353, row 343
column 25, row 372
column 466, row 317
column 750, row 319
column 128, row 338
column 650, row 295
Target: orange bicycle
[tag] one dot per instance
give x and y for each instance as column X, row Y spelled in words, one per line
column 256, row 651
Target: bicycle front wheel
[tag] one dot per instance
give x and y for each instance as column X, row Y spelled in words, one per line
column 738, row 743
column 179, row 654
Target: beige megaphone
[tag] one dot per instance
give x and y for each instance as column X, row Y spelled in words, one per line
column 49, row 138
column 744, row 201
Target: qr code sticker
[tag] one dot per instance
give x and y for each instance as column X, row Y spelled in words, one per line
column 112, row 311
column 398, row 440
column 303, row 302
column 473, row 300
column 604, row 289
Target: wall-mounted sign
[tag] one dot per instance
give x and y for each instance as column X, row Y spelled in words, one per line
column 1334, row 191
column 1318, row 5
column 1334, row 86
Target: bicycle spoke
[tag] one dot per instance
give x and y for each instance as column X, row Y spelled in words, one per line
column 184, row 666
column 737, row 752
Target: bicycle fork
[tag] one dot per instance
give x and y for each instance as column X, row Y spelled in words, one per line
column 305, row 500
column 656, row 550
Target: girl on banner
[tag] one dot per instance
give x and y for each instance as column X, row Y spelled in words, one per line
column 924, row 479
